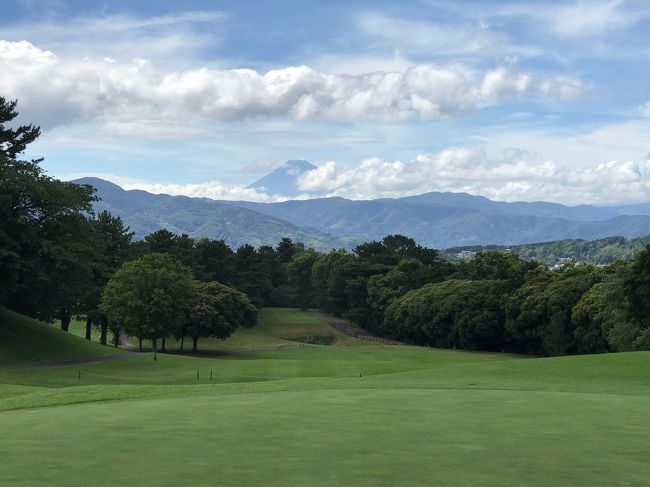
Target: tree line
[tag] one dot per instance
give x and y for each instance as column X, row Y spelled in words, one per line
column 58, row 259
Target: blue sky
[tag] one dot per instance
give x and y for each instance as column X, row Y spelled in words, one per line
column 511, row 100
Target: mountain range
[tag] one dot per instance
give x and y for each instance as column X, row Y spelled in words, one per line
column 435, row 219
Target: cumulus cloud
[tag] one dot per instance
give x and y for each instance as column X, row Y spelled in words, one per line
column 56, row 90
column 515, row 175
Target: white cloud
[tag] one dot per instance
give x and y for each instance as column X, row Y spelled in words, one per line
column 580, row 18
column 644, row 110
column 584, row 18
column 211, row 189
column 438, row 39
column 170, row 39
column 516, row 175
column 57, row 91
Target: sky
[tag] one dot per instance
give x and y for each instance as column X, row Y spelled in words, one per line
column 510, row 100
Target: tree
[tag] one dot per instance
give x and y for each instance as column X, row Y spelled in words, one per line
column 495, row 264
column 300, row 281
column 383, row 289
column 112, row 244
column 451, row 314
column 539, row 314
column 637, row 288
column 149, row 297
column 44, row 246
column 14, row 141
column 286, row 250
column 218, row 311
column 213, row 261
column 161, row 241
column 251, row 278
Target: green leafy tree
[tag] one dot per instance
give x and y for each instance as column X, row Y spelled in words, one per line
column 497, row 265
column 150, row 297
column 112, row 246
column 299, row 274
column 213, row 261
column 44, row 236
column 383, row 289
column 286, row 250
column 539, row 314
column 451, row 314
column 218, row 311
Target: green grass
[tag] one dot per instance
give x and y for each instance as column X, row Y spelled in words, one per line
column 277, row 327
column 78, row 328
column 25, row 341
column 365, row 414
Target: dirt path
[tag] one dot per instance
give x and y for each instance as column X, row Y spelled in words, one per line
column 67, row 363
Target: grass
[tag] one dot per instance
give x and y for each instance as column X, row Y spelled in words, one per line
column 346, row 414
column 277, row 327
column 27, row 341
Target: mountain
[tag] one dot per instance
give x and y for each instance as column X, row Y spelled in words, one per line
column 284, row 179
column 439, row 220
column 444, row 220
column 201, row 217
column 535, row 208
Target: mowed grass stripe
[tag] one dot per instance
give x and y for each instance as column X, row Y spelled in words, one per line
column 416, row 416
column 344, row 437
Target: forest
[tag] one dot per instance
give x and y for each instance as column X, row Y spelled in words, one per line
column 58, row 259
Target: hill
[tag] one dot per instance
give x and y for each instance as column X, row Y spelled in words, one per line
column 27, row 341
column 600, row 252
column 453, row 220
column 439, row 220
column 201, row 217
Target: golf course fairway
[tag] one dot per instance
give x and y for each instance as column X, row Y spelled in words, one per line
column 352, row 413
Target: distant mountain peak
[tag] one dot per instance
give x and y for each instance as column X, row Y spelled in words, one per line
column 283, row 180
column 99, row 184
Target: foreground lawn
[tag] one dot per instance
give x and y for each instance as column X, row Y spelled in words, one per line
column 351, row 436
column 329, row 415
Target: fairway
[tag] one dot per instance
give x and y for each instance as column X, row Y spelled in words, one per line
column 353, row 413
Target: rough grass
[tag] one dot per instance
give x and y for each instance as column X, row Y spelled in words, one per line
column 329, row 415
column 27, row 341
column 277, row 327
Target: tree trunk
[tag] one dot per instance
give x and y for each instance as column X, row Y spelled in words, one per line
column 162, row 345
column 102, row 336
column 182, row 341
column 65, row 319
column 140, row 343
column 89, row 323
column 154, row 347
column 195, row 344
column 116, row 338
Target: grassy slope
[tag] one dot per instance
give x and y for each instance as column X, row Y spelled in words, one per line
column 277, row 327
column 24, row 341
column 305, row 417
